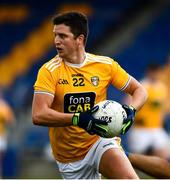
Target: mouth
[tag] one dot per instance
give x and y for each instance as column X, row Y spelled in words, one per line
column 59, row 49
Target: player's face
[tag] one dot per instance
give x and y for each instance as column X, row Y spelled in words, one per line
column 154, row 75
column 65, row 42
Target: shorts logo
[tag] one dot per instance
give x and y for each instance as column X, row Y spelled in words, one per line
column 95, row 80
column 78, row 102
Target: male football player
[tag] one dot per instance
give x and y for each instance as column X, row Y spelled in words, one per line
column 148, row 126
column 66, row 89
column 6, row 118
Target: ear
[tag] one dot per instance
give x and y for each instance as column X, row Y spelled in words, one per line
column 80, row 39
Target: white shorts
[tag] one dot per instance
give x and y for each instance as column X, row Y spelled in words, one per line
column 88, row 168
column 140, row 139
column 3, row 143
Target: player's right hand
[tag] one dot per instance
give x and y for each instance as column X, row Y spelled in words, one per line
column 86, row 121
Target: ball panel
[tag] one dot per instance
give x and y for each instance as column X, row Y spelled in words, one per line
column 113, row 112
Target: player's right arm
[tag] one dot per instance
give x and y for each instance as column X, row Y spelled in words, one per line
column 152, row 165
column 44, row 115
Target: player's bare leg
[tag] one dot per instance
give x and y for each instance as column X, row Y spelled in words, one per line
column 152, row 165
column 115, row 164
column 162, row 153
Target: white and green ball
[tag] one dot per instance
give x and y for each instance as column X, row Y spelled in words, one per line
column 114, row 113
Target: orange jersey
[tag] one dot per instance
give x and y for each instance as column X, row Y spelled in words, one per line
column 5, row 116
column 77, row 88
column 151, row 114
column 165, row 74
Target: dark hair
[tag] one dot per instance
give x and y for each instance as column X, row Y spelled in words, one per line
column 153, row 67
column 77, row 22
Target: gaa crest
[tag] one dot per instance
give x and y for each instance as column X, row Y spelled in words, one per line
column 95, row 80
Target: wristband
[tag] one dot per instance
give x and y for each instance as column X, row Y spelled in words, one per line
column 131, row 107
column 75, row 119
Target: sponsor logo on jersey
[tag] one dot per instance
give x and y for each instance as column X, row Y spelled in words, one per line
column 63, row 81
column 95, row 80
column 78, row 102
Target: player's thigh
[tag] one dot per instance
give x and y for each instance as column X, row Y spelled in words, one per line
column 115, row 164
column 139, row 140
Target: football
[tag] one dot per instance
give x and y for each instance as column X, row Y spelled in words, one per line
column 114, row 113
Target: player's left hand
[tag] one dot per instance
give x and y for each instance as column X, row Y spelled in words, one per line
column 127, row 123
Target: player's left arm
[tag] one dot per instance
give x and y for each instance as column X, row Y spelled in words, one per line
column 137, row 92
column 138, row 97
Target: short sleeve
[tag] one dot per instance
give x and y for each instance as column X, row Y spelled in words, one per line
column 120, row 78
column 45, row 81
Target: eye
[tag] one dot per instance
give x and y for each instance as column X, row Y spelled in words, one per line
column 62, row 36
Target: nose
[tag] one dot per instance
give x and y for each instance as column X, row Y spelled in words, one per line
column 57, row 40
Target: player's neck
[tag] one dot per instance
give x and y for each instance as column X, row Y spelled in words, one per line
column 76, row 57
